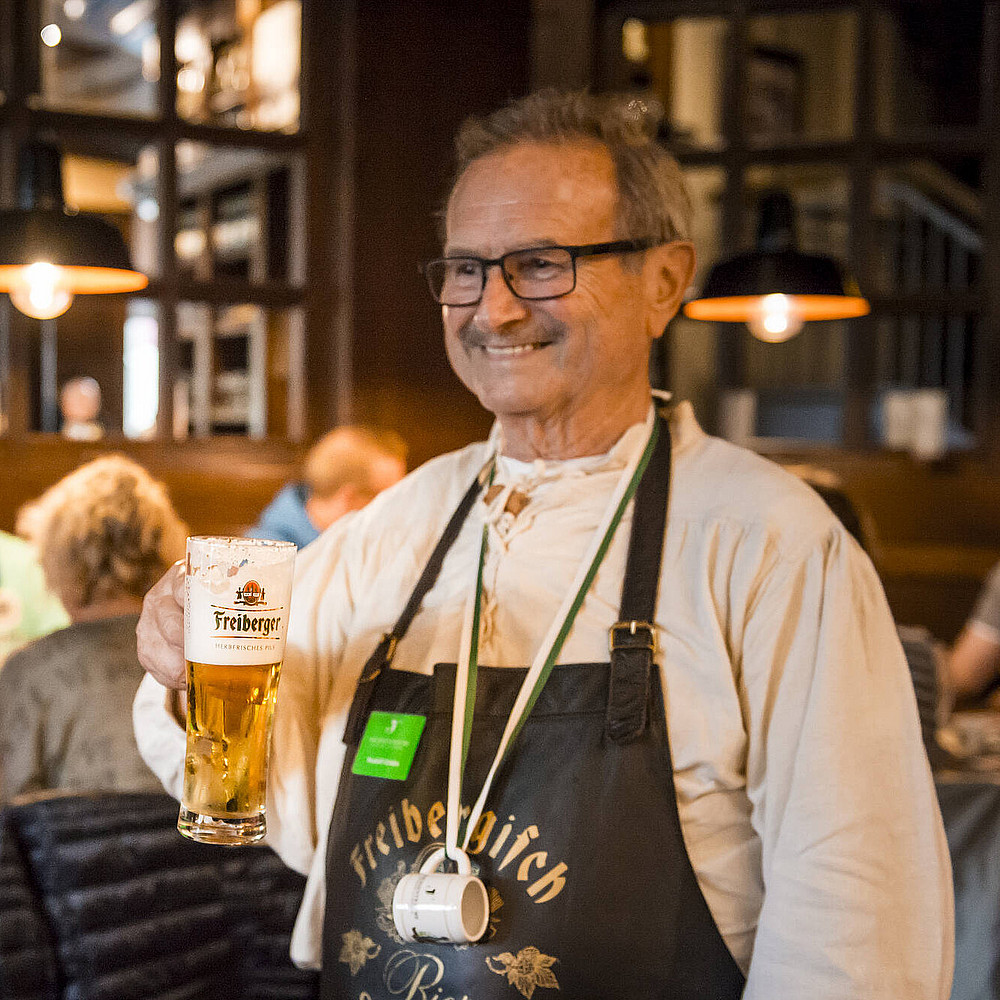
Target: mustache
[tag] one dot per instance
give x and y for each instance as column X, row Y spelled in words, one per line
column 542, row 329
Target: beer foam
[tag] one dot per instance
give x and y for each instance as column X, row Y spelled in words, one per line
column 216, row 559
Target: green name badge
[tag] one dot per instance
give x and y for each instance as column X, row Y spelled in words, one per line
column 388, row 745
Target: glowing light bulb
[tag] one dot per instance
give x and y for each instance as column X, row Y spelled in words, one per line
column 777, row 319
column 40, row 293
column 51, row 35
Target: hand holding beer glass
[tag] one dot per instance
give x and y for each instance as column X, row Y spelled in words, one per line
column 236, row 602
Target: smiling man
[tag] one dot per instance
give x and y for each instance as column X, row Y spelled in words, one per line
column 735, row 801
column 565, row 369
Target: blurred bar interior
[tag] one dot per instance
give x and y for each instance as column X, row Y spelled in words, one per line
column 277, row 195
column 274, row 167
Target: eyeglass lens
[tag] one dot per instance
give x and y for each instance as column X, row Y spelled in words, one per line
column 539, row 273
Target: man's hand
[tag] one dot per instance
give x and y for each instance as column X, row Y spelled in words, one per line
column 160, row 632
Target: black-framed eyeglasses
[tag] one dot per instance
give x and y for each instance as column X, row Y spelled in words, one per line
column 533, row 273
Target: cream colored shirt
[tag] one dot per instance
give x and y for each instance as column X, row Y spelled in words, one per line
column 804, row 792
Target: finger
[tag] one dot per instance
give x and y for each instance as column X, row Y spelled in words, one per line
column 160, row 633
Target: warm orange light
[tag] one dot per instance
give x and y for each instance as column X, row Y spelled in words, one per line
column 777, row 320
column 78, row 280
column 744, row 308
column 44, row 291
column 41, row 293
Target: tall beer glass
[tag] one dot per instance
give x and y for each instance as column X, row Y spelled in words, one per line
column 236, row 597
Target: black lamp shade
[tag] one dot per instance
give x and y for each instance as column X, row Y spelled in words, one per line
column 735, row 287
column 786, row 271
column 89, row 251
column 814, row 286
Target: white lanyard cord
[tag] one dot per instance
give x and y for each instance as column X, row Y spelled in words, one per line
column 461, row 718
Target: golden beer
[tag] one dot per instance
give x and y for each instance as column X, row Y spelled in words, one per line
column 236, row 604
column 229, row 714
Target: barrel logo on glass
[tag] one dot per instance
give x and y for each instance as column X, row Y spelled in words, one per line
column 249, row 594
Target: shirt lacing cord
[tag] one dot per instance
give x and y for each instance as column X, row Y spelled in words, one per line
column 511, row 507
column 510, row 510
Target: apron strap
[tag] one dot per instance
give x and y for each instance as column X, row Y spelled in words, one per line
column 632, row 639
column 380, row 659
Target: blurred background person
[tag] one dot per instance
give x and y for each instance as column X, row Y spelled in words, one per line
column 28, row 609
column 974, row 662
column 104, row 534
column 80, row 406
column 342, row 472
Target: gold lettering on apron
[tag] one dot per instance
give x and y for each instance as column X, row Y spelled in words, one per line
column 504, row 834
column 537, row 858
column 357, row 865
column 482, row 832
column 525, row 837
column 435, row 813
column 383, row 847
column 412, row 821
column 397, row 837
column 411, row 975
column 553, row 879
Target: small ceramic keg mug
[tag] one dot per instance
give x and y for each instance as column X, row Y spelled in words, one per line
column 441, row 907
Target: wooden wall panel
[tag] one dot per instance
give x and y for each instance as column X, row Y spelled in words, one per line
column 217, row 486
column 423, row 66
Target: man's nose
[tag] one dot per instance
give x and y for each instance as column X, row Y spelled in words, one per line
column 499, row 305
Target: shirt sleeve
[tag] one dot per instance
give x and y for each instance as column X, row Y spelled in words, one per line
column 322, row 608
column 160, row 739
column 856, row 872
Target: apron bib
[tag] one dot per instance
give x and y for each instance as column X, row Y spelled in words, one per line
column 591, row 891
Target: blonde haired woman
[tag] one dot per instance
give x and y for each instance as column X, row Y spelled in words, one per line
column 104, row 534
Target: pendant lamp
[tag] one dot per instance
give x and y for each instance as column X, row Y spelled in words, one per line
column 48, row 256
column 774, row 288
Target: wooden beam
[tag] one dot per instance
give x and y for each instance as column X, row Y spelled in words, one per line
column 861, row 354
column 986, row 399
column 329, row 98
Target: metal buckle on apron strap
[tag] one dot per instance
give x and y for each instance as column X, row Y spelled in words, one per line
column 389, row 640
column 380, row 659
column 632, row 645
column 632, row 635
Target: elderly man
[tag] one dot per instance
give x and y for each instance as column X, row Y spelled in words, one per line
column 738, row 803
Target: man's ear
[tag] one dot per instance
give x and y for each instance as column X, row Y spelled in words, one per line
column 668, row 272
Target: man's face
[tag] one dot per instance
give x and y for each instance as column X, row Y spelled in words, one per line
column 555, row 361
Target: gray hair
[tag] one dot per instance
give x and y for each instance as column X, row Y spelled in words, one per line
column 653, row 202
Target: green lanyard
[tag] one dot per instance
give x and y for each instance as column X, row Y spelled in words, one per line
column 541, row 668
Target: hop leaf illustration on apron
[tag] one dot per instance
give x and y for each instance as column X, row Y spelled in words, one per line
column 383, row 912
column 528, row 970
column 357, row 950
